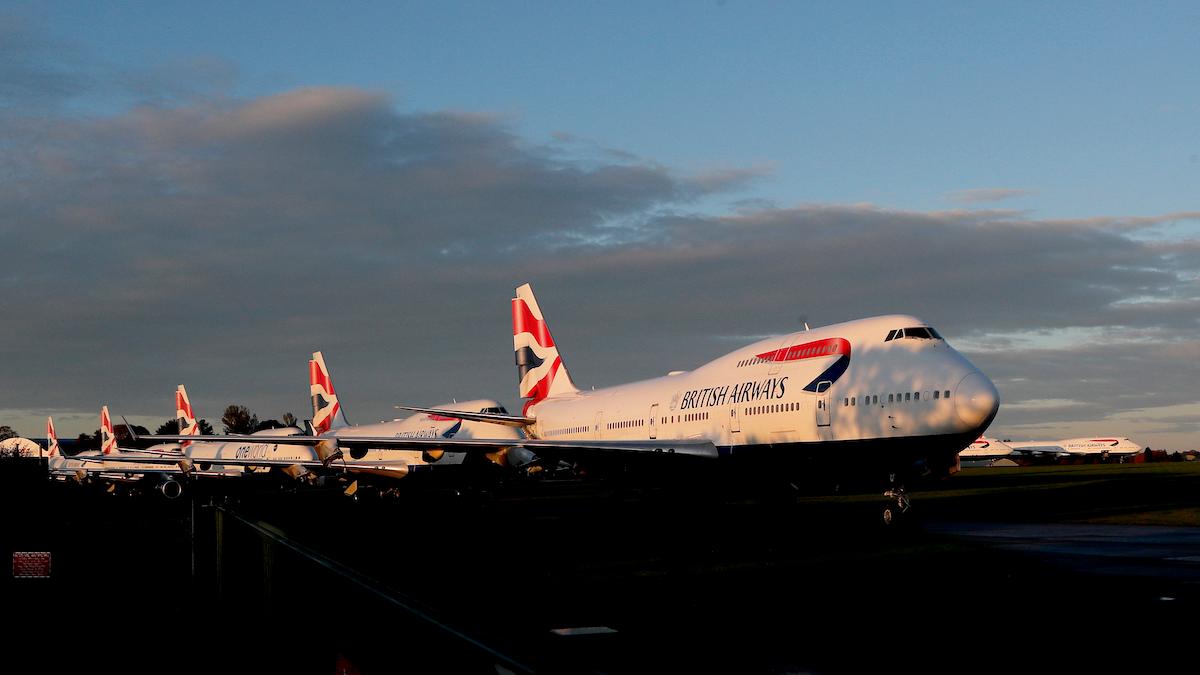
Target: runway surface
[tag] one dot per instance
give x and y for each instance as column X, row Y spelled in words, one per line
column 1156, row 552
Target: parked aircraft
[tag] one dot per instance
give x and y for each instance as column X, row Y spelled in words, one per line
column 391, row 440
column 59, row 465
column 1068, row 447
column 156, row 467
column 986, row 448
column 884, row 395
column 386, row 449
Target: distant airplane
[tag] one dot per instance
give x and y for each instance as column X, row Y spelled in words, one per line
column 884, row 395
column 390, row 441
column 386, row 449
column 986, row 448
column 60, row 466
column 1071, row 447
column 155, row 467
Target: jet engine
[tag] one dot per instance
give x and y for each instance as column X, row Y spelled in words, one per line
column 170, row 488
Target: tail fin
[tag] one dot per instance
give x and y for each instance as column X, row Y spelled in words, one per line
column 52, row 449
column 108, row 438
column 540, row 369
column 184, row 416
column 327, row 412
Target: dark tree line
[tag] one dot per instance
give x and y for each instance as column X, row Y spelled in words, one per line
column 237, row 420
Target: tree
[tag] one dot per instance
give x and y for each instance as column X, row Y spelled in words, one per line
column 268, row 424
column 171, row 428
column 7, row 432
column 87, row 443
column 289, row 420
column 239, row 420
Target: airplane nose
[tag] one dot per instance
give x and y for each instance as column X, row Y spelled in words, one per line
column 976, row 400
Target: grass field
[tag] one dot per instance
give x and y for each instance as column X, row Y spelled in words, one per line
column 1131, row 494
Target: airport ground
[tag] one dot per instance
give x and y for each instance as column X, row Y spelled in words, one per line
column 1094, row 566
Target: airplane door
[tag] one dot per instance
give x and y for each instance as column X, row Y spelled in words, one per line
column 823, row 416
column 599, row 425
column 735, row 421
column 654, row 421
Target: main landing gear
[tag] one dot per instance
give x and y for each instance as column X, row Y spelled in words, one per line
column 895, row 509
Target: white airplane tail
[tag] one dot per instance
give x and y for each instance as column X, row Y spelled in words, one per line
column 327, row 411
column 108, row 438
column 52, row 449
column 540, row 368
column 184, row 416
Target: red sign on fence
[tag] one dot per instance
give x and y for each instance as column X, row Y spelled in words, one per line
column 31, row 564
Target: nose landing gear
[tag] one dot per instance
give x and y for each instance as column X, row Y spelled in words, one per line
column 897, row 504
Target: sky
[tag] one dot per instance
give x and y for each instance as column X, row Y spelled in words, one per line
column 206, row 193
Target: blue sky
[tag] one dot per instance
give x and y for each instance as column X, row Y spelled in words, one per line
column 1090, row 107
column 207, row 192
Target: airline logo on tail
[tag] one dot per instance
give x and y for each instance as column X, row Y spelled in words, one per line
column 184, row 416
column 539, row 366
column 52, row 449
column 108, row 438
column 838, row 347
column 325, row 401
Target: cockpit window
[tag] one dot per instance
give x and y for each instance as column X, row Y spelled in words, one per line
column 916, row 332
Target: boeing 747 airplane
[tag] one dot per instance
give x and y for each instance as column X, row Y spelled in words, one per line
column 884, row 395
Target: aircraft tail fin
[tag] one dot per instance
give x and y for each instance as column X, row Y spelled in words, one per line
column 108, row 438
column 184, row 416
column 540, row 369
column 52, row 449
column 327, row 411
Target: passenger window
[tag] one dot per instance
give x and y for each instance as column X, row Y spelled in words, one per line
column 916, row 396
column 946, row 394
column 907, row 396
column 890, row 399
column 936, row 394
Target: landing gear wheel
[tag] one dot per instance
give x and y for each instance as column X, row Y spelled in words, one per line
column 896, row 507
column 888, row 514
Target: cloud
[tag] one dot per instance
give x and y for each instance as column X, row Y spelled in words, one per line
column 36, row 71
column 981, row 195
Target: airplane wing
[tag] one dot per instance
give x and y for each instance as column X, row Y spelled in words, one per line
column 299, row 439
column 127, row 470
column 163, row 460
column 400, row 466
column 683, row 446
column 494, row 418
column 688, row 446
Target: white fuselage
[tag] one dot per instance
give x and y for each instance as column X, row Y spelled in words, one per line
column 199, row 451
column 104, row 466
column 841, row 384
column 1086, row 446
column 427, row 427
